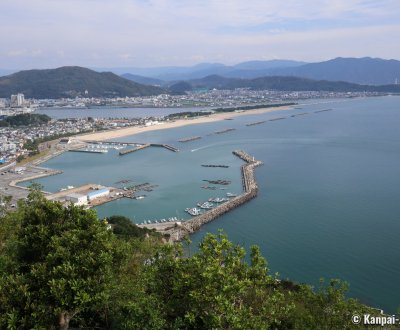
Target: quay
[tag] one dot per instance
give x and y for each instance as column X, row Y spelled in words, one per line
column 177, row 231
column 128, row 151
column 192, row 138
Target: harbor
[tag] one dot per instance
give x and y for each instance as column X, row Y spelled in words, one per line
column 177, row 231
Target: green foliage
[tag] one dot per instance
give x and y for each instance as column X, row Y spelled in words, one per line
column 71, row 81
column 123, row 227
column 59, row 263
column 61, row 266
column 26, row 119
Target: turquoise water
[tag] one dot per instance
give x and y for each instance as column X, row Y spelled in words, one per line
column 328, row 204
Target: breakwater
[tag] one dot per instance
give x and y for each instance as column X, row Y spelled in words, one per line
column 225, row 131
column 166, row 146
column 90, row 151
column 192, row 138
column 128, row 151
column 178, row 231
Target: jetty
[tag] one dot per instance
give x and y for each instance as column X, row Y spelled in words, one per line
column 188, row 139
column 177, row 231
column 166, row 146
column 128, row 151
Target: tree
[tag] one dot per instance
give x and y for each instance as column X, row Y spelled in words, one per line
column 60, row 263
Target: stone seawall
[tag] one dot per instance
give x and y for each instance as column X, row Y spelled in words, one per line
column 250, row 187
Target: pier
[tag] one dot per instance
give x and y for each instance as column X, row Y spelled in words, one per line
column 128, row 151
column 178, row 231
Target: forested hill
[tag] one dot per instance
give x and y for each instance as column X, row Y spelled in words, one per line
column 71, row 82
column 288, row 83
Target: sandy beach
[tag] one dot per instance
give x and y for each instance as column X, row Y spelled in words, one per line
column 114, row 134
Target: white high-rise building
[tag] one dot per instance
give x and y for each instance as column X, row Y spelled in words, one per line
column 17, row 100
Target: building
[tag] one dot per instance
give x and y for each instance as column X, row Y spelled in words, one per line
column 17, row 100
column 77, row 199
column 98, row 193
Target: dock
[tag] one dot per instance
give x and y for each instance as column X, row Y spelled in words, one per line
column 188, row 139
column 128, row 151
column 178, row 231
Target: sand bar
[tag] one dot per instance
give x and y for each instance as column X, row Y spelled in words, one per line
column 114, row 134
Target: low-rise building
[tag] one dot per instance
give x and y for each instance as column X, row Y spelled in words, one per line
column 77, row 199
column 98, row 193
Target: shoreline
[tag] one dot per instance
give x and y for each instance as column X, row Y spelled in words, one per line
column 123, row 132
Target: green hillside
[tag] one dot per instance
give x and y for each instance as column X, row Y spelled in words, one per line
column 71, row 82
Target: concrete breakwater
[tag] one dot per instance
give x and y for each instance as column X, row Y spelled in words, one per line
column 178, row 231
column 127, row 151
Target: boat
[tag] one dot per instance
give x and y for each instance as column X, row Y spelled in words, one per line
column 193, row 211
column 205, row 205
column 218, row 200
column 139, row 197
column 228, row 194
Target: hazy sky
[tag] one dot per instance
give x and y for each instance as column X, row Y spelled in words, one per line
column 122, row 33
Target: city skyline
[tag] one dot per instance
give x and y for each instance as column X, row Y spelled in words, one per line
column 141, row 33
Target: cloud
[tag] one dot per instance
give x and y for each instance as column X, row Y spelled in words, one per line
column 159, row 32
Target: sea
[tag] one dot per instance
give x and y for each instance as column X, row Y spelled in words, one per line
column 329, row 190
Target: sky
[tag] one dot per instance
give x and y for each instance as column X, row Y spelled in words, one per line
column 150, row 33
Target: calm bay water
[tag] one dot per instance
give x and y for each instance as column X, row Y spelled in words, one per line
column 110, row 112
column 328, row 204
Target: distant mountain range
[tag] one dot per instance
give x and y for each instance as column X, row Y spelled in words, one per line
column 78, row 81
column 287, row 83
column 143, row 80
column 71, row 82
column 365, row 71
